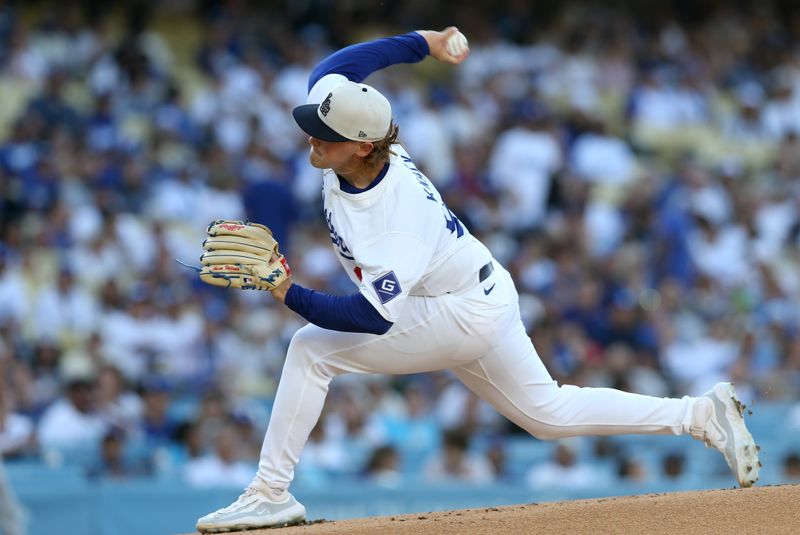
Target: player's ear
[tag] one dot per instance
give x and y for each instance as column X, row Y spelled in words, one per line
column 364, row 148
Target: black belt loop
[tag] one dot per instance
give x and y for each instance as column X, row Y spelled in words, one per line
column 485, row 271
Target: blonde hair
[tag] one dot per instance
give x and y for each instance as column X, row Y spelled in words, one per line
column 381, row 150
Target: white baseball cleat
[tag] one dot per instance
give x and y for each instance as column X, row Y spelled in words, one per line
column 253, row 510
column 718, row 420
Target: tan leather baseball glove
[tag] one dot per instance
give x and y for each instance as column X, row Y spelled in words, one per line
column 242, row 255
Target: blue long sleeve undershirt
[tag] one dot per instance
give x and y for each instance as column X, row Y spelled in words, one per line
column 348, row 313
column 353, row 313
column 356, row 62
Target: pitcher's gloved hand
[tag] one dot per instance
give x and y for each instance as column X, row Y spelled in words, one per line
column 242, row 255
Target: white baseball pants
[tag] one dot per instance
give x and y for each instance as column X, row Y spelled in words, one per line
column 483, row 341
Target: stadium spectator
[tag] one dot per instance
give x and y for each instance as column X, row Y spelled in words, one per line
column 155, row 424
column 791, row 467
column 13, row 302
column 73, row 422
column 673, row 466
column 629, row 470
column 187, row 446
column 415, row 431
column 324, row 455
column 456, row 463
column 221, row 467
column 115, row 462
column 119, row 405
column 522, row 164
column 383, row 467
column 564, row 471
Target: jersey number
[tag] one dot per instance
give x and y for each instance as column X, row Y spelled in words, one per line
column 452, row 223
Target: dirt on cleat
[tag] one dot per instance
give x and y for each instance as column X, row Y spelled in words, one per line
column 739, row 406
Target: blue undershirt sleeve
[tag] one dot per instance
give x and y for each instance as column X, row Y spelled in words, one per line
column 356, row 62
column 347, row 313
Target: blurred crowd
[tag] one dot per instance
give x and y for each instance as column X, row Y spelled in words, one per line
column 638, row 173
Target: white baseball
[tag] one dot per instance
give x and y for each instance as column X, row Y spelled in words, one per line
column 456, row 44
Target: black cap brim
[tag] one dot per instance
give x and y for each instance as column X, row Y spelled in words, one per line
column 308, row 120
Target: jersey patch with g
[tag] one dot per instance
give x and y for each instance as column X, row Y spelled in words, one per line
column 387, row 287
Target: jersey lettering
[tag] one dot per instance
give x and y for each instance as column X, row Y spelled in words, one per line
column 420, row 178
column 337, row 240
column 451, row 222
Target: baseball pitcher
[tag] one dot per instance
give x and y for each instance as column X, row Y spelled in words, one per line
column 430, row 297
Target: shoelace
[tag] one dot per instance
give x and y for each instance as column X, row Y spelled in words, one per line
column 700, row 431
column 702, row 435
column 240, row 501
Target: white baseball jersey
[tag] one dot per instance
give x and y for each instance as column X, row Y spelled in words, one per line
column 398, row 238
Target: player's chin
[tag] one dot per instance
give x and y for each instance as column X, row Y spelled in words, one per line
column 316, row 160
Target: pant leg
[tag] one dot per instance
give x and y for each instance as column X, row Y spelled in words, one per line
column 480, row 337
column 513, row 379
column 434, row 334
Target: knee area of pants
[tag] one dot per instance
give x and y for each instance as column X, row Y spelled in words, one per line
column 544, row 433
column 304, row 343
column 302, row 356
column 302, row 337
column 299, row 354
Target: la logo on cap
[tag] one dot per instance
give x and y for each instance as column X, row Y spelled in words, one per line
column 325, row 107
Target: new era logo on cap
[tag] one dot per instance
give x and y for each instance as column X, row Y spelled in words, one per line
column 387, row 287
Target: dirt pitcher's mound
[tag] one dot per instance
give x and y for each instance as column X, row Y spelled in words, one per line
column 772, row 510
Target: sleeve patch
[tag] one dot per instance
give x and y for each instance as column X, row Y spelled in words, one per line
column 387, row 287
